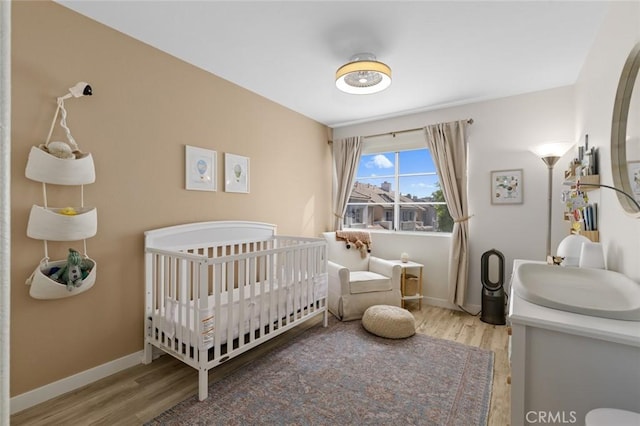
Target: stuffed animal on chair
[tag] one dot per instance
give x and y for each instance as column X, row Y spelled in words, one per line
column 360, row 239
column 71, row 273
column 361, row 245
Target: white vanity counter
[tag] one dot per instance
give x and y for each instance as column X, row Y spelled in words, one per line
column 526, row 313
column 565, row 364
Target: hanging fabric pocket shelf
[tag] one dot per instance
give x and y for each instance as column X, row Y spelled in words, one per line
column 51, row 224
column 43, row 287
column 62, row 163
column 45, row 167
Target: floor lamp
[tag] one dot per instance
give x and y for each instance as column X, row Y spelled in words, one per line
column 550, row 154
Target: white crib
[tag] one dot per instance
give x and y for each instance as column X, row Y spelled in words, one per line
column 217, row 289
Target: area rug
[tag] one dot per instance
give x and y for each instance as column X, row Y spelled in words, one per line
column 342, row 375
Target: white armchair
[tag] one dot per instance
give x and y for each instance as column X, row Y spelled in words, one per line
column 357, row 282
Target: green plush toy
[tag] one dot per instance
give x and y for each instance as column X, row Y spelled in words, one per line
column 73, row 272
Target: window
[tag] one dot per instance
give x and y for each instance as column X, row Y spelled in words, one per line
column 397, row 190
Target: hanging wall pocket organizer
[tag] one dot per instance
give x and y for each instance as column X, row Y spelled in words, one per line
column 62, row 163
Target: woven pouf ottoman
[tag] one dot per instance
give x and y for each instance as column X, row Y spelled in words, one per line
column 391, row 322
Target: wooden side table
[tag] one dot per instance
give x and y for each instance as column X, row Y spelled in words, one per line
column 403, row 281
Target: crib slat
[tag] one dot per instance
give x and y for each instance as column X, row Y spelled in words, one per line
column 262, row 276
column 165, row 295
column 230, row 277
column 253, row 310
column 200, row 286
column 278, row 283
column 311, row 272
column 302, row 279
column 217, row 291
column 300, row 272
column 181, row 295
column 241, row 297
column 278, row 286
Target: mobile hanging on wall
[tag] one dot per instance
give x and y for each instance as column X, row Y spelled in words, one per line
column 62, row 163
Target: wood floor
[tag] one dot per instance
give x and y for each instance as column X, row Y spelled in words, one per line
column 140, row 393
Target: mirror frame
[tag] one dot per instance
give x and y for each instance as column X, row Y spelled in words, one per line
column 621, row 106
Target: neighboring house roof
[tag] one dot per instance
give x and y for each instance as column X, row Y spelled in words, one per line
column 368, row 193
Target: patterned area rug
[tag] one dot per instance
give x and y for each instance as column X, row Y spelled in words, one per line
column 342, row 375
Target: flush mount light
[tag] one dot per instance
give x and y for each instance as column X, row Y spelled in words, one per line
column 363, row 75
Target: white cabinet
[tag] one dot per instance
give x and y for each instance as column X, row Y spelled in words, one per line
column 563, row 365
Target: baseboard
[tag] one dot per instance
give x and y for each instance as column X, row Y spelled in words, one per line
column 62, row 386
column 444, row 303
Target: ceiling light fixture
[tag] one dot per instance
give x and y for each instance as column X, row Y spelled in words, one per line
column 363, row 75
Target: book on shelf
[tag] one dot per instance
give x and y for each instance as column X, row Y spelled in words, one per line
column 589, row 216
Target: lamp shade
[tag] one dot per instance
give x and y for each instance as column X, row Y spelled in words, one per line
column 363, row 75
column 556, row 149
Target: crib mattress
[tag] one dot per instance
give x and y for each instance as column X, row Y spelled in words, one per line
column 268, row 303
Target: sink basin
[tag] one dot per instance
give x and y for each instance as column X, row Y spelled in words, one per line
column 595, row 292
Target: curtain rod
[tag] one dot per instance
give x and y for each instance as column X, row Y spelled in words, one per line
column 469, row 121
column 399, row 132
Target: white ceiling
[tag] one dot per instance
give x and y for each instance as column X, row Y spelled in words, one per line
column 442, row 53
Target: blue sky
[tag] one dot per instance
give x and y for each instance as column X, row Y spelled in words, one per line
column 377, row 168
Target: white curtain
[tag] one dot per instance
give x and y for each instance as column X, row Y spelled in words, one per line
column 448, row 146
column 346, row 156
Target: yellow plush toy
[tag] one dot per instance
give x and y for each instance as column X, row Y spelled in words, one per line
column 68, row 211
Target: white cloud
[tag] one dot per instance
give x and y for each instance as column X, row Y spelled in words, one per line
column 423, row 185
column 380, row 162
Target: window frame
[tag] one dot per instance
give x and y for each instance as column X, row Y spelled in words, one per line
column 397, row 203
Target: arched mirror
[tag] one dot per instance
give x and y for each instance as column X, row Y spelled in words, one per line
column 625, row 134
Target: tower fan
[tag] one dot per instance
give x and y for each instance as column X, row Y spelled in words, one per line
column 493, row 295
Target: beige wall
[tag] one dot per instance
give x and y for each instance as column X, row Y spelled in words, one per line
column 146, row 107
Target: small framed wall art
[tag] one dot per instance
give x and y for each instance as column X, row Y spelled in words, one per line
column 236, row 173
column 506, row 186
column 200, row 169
